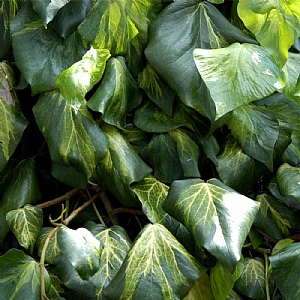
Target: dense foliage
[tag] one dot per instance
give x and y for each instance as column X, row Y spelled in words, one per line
column 149, row 149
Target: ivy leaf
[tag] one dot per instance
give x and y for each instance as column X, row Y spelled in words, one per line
column 55, row 289
column 48, row 9
column 252, row 282
column 236, row 169
column 120, row 167
column 77, row 80
column 40, row 64
column 256, row 130
column 159, row 92
column 201, row 207
column 81, row 249
column 285, row 269
column 115, row 245
column 81, row 143
column 117, row 95
column 53, row 249
column 288, row 181
column 26, row 224
column 201, row 290
column 20, row 276
column 255, row 75
column 12, row 121
column 157, row 262
column 22, row 188
column 274, row 23
column 174, row 34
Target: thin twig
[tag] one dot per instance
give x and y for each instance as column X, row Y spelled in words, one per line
column 132, row 211
column 59, row 199
column 265, row 235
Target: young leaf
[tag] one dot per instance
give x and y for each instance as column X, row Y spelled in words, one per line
column 256, row 130
column 120, row 167
column 40, row 64
column 22, row 188
column 285, row 269
column 80, row 142
column 201, row 290
column 274, row 23
column 20, row 276
column 115, row 245
column 12, row 121
column 157, row 262
column 201, row 207
column 77, row 80
column 117, row 95
column 26, row 224
column 183, row 26
column 255, row 75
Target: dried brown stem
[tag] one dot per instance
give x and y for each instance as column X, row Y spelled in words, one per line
column 128, row 210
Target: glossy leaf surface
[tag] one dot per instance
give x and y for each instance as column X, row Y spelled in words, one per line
column 201, row 290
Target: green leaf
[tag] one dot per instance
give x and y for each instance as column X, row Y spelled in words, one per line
column 274, row 23
column 174, row 34
column 20, row 276
column 256, row 131
column 236, row 169
column 53, row 249
column 255, row 75
column 22, row 188
column 280, row 245
column 115, row 245
column 117, row 95
column 81, row 249
column 159, row 92
column 288, row 181
column 77, row 80
column 157, row 262
column 80, row 143
column 252, row 283
column 120, row 167
column 285, row 269
column 51, row 54
column 55, row 288
column 47, row 9
column 12, row 121
column 201, row 207
column 201, row 290
column 26, row 224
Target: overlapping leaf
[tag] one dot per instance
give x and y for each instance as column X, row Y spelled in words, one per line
column 202, row 208
column 12, row 121
column 51, row 55
column 256, row 130
column 174, row 34
column 80, row 143
column 117, row 95
column 22, row 188
column 77, row 80
column 115, row 245
column 238, row 74
column 157, row 262
column 20, row 276
column 274, row 23
column 201, row 290
column 120, row 167
column 26, row 224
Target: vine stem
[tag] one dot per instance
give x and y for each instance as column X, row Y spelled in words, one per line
column 266, row 276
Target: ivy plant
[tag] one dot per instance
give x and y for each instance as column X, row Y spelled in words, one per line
column 149, row 149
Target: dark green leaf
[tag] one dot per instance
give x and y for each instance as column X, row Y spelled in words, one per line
column 117, row 95
column 175, row 33
column 22, row 188
column 202, row 208
column 256, row 131
column 51, row 55
column 26, row 224
column 20, row 276
column 55, row 288
column 201, row 290
column 80, row 143
column 255, row 75
column 157, row 262
column 12, row 121
column 77, row 80
column 285, row 269
column 288, row 181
